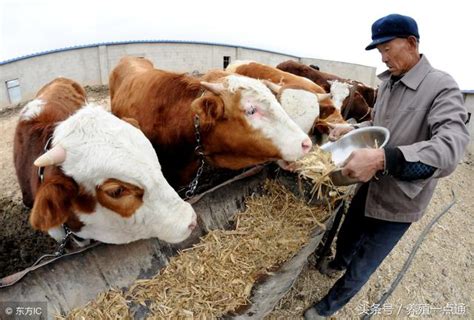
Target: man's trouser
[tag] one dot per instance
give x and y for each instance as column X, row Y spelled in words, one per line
column 361, row 246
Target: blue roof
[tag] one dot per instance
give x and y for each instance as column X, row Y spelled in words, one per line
column 132, row 42
column 468, row 91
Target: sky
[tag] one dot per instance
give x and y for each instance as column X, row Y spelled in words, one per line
column 333, row 29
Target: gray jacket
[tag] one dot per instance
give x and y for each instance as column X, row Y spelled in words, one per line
column 425, row 114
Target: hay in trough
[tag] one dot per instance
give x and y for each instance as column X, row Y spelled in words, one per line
column 107, row 305
column 216, row 276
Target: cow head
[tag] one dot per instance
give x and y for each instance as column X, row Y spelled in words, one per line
column 103, row 179
column 243, row 124
column 339, row 92
column 261, row 71
column 348, row 99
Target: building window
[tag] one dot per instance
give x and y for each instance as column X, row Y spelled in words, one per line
column 14, row 92
column 226, row 61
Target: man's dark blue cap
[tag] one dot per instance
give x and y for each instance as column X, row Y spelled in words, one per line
column 391, row 27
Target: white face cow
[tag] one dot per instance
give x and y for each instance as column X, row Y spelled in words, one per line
column 339, row 91
column 265, row 114
column 115, row 164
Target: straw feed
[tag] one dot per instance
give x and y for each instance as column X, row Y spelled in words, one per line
column 316, row 166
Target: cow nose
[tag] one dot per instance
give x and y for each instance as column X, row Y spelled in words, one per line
column 193, row 223
column 306, row 145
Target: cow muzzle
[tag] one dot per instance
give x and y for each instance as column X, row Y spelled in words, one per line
column 193, row 223
column 306, row 145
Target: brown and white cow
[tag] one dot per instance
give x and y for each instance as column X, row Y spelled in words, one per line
column 240, row 121
column 101, row 178
column 353, row 98
column 305, row 101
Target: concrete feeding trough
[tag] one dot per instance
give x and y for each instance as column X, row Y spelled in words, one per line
column 72, row 281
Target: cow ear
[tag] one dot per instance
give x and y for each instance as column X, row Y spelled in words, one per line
column 53, row 203
column 132, row 121
column 209, row 109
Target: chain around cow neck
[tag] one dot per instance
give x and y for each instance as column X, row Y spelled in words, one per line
column 199, row 151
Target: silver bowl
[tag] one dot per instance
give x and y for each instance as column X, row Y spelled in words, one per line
column 368, row 137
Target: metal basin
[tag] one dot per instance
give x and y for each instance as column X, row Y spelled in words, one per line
column 369, row 137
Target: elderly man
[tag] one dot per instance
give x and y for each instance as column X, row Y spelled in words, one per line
column 424, row 111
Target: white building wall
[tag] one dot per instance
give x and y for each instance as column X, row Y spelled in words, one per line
column 92, row 65
column 269, row 58
column 174, row 56
column 82, row 65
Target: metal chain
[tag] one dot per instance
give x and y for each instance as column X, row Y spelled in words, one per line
column 59, row 251
column 193, row 185
column 198, row 151
column 62, row 244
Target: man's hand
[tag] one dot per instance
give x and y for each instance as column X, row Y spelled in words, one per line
column 337, row 131
column 363, row 164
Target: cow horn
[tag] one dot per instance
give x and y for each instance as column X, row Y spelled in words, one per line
column 323, row 96
column 216, row 88
column 132, row 121
column 275, row 88
column 54, row 156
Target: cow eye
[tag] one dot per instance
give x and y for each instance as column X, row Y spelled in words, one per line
column 116, row 192
column 251, row 110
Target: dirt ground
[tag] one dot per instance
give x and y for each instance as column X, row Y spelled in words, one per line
column 437, row 285
column 20, row 245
